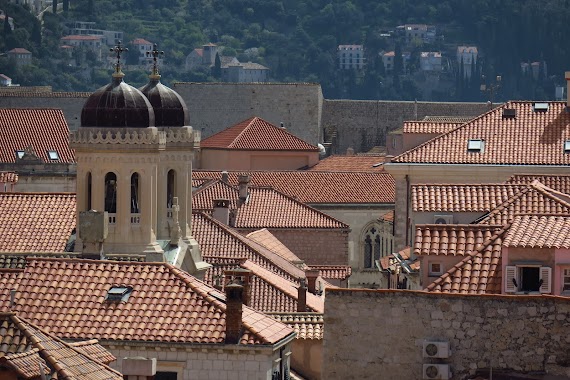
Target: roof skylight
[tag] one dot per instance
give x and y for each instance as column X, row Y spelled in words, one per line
column 53, row 155
column 119, row 293
column 475, row 145
column 19, row 154
column 567, row 146
column 540, row 107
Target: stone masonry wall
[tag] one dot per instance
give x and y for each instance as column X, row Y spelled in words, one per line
column 363, row 124
column 371, row 332
column 216, row 106
column 324, row 247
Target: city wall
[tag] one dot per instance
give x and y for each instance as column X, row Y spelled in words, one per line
column 372, row 332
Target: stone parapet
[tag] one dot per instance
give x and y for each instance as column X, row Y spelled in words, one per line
column 87, row 138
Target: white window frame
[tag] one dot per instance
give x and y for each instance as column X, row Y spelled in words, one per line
column 53, row 155
column 514, row 272
column 431, row 272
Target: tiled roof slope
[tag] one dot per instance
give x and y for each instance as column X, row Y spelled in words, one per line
column 352, row 163
column 269, row 241
column 9, row 279
column 67, row 297
column 429, row 127
column 530, row 138
column 256, row 134
column 448, row 119
column 68, row 362
column 18, row 260
column 8, row 177
column 306, row 325
column 36, row 222
column 451, row 239
column 333, row 272
column 265, row 208
column 460, row 197
column 218, row 240
column 269, row 291
column 316, row 187
column 93, row 349
column 556, row 182
column 539, row 231
column 43, row 129
column 531, row 199
column 478, row 273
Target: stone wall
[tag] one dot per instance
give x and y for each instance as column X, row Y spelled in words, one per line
column 372, row 332
column 217, row 106
column 363, row 124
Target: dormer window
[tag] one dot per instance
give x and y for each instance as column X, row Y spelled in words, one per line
column 540, row 107
column 475, row 145
column 119, row 293
column 53, row 155
column 19, row 154
column 567, row 146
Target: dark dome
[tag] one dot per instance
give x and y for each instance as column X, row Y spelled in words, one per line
column 169, row 107
column 117, row 105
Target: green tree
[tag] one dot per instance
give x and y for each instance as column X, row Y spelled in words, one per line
column 7, row 27
column 65, row 6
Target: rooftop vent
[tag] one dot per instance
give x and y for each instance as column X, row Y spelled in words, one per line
column 540, row 107
column 119, row 293
column 53, row 155
column 509, row 113
column 567, row 146
column 475, row 145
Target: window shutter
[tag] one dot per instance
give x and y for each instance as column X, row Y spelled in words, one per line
column 546, row 277
column 510, row 275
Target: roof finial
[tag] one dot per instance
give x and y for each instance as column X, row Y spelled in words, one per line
column 155, row 53
column 118, row 49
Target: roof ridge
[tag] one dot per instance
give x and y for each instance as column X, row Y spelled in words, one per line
column 524, row 190
column 548, row 192
column 470, row 256
column 395, row 159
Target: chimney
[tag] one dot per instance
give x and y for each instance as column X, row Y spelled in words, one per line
column 283, row 126
column 312, row 275
column 139, row 368
column 302, row 296
column 225, row 177
column 243, row 180
column 388, row 158
column 234, row 306
column 350, row 151
column 221, row 211
column 241, row 277
column 92, row 230
column 567, row 76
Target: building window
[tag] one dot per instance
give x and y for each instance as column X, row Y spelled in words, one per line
column 111, row 193
column 528, row 279
column 135, row 193
column 435, row 269
column 166, row 376
column 53, row 155
column 170, row 188
column 376, row 243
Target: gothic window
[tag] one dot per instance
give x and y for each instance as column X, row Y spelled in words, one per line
column 170, row 188
column 377, row 242
column 135, row 193
column 89, row 191
column 111, row 193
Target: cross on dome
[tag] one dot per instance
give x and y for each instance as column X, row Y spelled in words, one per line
column 155, row 53
column 118, row 49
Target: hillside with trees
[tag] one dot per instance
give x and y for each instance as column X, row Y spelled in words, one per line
column 298, row 40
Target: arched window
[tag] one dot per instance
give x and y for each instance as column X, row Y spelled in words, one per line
column 135, row 193
column 111, row 193
column 377, row 242
column 89, row 191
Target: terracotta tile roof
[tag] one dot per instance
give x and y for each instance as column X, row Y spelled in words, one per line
column 45, row 94
column 265, row 208
column 448, row 119
column 315, row 187
column 388, row 216
column 478, row 273
column 529, row 138
column 36, row 222
column 19, row 51
column 18, row 260
column 43, row 129
column 333, row 272
column 429, row 127
column 256, row 134
column 539, row 231
column 306, row 325
column 66, row 361
column 451, row 239
column 93, row 349
column 354, row 163
column 9, row 279
column 460, row 197
column 8, row 177
column 556, row 182
column 141, row 41
column 218, row 240
column 13, row 340
column 269, row 291
column 531, row 199
column 67, row 297
column 269, row 241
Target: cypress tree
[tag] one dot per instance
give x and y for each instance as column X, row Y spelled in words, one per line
column 54, row 6
column 217, row 69
column 65, row 5
column 7, row 28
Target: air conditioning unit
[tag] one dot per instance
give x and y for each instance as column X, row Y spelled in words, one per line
column 436, row 371
column 433, row 349
column 443, row 219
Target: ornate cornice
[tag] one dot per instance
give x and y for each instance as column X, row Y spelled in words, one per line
column 141, row 137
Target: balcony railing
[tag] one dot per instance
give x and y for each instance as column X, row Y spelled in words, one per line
column 135, row 218
column 112, row 218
